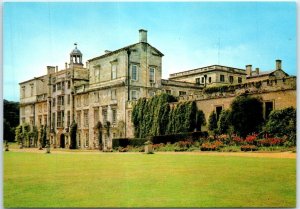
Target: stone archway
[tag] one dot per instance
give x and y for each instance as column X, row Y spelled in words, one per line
column 62, row 141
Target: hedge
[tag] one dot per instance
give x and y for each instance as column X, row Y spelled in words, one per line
column 173, row 138
column 124, row 142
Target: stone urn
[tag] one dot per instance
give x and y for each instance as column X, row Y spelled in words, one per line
column 148, row 147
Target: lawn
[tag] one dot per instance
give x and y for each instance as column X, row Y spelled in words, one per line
column 140, row 180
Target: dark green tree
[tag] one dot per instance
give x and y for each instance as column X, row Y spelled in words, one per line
column 212, row 122
column 283, row 123
column 246, row 115
column 224, row 122
column 200, row 120
column 73, row 132
column 10, row 119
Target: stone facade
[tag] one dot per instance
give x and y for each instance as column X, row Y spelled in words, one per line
column 99, row 96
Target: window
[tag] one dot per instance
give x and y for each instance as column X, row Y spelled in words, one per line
column 23, row 120
column 197, row 80
column 104, row 115
column 40, row 120
column 86, row 139
column 268, row 109
column 53, row 102
column 86, row 100
column 68, row 118
column 58, row 86
column 152, row 75
column 22, row 110
column 79, row 140
column 222, row 78
column 23, row 91
column 114, row 72
column 151, row 93
column 240, row 80
column 78, row 101
column 231, row 79
column 53, row 88
column 78, row 118
column 63, row 85
column 96, row 96
column 218, row 111
column 31, row 90
column 168, row 91
column 69, row 84
column 114, row 94
column 60, row 100
column 31, row 121
column 86, row 118
column 96, row 115
column 69, row 99
column 134, row 73
column 60, row 119
column 114, row 116
column 45, row 119
column 53, row 120
column 97, row 74
column 202, row 80
column 45, row 107
column 209, row 79
column 182, row 93
column 134, row 95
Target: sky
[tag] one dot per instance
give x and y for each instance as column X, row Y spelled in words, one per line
column 189, row 34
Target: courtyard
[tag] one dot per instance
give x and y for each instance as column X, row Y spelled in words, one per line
column 67, row 178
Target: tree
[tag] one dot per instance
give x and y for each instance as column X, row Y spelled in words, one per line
column 212, row 122
column 73, row 131
column 10, row 119
column 8, row 132
column 224, row 122
column 200, row 120
column 246, row 115
column 283, row 123
column 19, row 134
column 99, row 130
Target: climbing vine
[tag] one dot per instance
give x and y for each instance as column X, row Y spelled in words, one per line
column 156, row 116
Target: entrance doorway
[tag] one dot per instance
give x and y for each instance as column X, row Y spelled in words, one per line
column 62, row 141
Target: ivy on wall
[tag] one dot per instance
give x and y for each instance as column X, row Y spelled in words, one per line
column 155, row 116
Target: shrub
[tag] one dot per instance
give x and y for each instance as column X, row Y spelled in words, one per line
column 124, row 142
column 173, row 138
column 283, row 123
column 271, row 142
column 249, row 148
column 73, row 132
column 224, row 122
column 212, row 122
column 246, row 115
column 211, row 146
column 251, row 139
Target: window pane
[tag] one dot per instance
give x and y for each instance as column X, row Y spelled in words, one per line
column 134, row 72
column 152, row 71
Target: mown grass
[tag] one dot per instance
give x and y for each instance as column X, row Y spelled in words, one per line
column 140, row 180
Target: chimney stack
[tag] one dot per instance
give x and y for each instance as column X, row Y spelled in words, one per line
column 249, row 70
column 56, row 69
column 278, row 64
column 257, row 71
column 50, row 69
column 66, row 65
column 143, row 35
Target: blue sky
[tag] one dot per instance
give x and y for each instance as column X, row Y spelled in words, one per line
column 190, row 34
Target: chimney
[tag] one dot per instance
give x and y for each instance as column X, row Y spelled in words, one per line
column 50, row 69
column 66, row 65
column 107, row 51
column 257, row 71
column 143, row 35
column 278, row 64
column 249, row 70
column 56, row 69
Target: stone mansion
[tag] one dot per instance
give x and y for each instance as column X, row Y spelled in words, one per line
column 106, row 87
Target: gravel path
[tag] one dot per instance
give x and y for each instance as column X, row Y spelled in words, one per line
column 240, row 154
